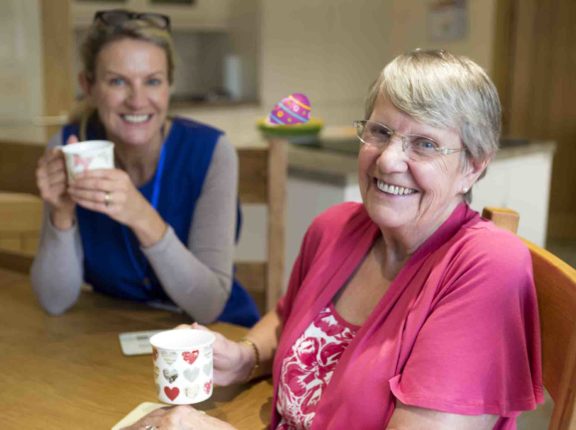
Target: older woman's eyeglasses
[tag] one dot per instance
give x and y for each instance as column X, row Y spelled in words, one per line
column 117, row 17
column 418, row 148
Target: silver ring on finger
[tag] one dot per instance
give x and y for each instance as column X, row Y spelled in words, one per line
column 107, row 199
column 150, row 427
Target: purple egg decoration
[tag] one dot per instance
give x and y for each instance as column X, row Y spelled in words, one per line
column 291, row 110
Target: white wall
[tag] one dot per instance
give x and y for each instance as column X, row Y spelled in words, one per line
column 331, row 50
column 21, row 87
column 409, row 30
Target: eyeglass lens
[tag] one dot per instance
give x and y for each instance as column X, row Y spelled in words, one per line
column 417, row 147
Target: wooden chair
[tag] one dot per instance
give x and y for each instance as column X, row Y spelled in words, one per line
column 18, row 165
column 20, row 209
column 556, row 289
column 262, row 180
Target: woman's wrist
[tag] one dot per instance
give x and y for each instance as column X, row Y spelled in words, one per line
column 62, row 220
column 150, row 228
column 252, row 361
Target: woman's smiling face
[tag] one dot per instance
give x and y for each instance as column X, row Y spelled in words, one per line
column 409, row 197
column 131, row 91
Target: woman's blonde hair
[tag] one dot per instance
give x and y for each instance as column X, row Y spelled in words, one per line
column 444, row 90
column 99, row 35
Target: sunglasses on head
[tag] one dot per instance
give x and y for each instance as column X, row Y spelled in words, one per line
column 117, row 17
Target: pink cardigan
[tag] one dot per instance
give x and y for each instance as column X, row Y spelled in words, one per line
column 457, row 331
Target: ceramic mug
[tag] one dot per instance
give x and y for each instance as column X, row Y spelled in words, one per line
column 183, row 365
column 88, row 155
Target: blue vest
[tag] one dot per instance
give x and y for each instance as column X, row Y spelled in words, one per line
column 113, row 262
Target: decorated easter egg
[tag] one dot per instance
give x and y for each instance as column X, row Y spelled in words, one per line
column 294, row 109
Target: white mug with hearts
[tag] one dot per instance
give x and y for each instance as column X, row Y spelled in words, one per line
column 88, row 155
column 183, row 365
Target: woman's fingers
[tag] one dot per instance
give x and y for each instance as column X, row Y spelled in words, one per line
column 95, row 185
column 57, row 179
column 99, row 191
column 72, row 139
column 184, row 326
column 95, row 197
column 51, row 176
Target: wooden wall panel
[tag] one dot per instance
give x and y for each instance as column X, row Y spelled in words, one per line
column 542, row 90
column 57, row 59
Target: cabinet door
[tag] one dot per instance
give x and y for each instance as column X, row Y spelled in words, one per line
column 521, row 183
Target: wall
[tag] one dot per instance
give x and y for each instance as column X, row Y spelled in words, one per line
column 35, row 70
column 331, row 50
column 409, row 30
column 21, row 87
column 542, row 92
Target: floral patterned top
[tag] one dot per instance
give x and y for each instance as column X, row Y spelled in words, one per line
column 309, row 366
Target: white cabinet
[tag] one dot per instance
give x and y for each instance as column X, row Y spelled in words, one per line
column 522, row 183
column 204, row 15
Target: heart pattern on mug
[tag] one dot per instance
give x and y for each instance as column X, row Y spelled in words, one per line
column 81, row 164
column 207, row 368
column 170, row 375
column 208, row 386
column 169, row 356
column 190, row 357
column 191, row 374
column 192, row 391
column 171, row 393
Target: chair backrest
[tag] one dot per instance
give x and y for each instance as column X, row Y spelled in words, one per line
column 20, row 209
column 262, row 180
column 18, row 165
column 556, row 289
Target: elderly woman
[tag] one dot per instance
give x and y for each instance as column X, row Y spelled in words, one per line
column 408, row 311
column 160, row 227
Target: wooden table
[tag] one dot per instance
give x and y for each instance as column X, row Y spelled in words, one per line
column 68, row 372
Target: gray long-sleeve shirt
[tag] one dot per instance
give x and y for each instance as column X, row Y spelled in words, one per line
column 197, row 275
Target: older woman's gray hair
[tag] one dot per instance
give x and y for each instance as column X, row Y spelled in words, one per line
column 444, row 90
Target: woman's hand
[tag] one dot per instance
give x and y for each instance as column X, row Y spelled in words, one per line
column 233, row 361
column 111, row 192
column 179, row 418
column 51, row 180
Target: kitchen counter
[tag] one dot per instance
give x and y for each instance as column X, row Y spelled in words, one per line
column 237, row 120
